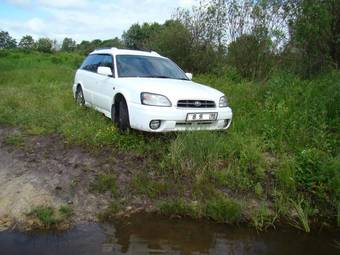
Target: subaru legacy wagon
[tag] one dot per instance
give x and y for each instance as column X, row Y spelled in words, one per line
column 146, row 91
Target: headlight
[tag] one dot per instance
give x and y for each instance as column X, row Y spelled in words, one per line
column 223, row 102
column 154, row 99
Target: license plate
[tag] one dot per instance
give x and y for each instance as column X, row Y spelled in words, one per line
column 206, row 116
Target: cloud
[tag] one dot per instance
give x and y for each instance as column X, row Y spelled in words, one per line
column 186, row 3
column 36, row 25
column 85, row 19
column 64, row 3
column 20, row 2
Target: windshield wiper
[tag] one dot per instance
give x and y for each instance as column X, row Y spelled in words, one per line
column 157, row 76
column 164, row 77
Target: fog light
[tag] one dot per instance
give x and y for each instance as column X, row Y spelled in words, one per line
column 226, row 122
column 155, row 124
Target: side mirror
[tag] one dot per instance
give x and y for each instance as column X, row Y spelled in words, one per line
column 189, row 75
column 104, row 70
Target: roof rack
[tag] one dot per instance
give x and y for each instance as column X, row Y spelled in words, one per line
column 106, row 48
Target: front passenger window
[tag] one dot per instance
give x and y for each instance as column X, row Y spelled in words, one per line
column 107, row 61
column 92, row 62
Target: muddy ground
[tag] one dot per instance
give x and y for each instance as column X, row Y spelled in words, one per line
column 46, row 171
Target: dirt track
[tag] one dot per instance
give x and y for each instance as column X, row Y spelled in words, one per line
column 46, row 171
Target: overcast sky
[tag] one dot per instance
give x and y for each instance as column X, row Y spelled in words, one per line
column 82, row 19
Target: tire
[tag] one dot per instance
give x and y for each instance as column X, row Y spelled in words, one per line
column 80, row 97
column 123, row 121
column 113, row 114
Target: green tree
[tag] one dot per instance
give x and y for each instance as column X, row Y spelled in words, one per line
column 315, row 32
column 6, row 41
column 139, row 37
column 27, row 42
column 84, row 47
column 115, row 42
column 44, row 45
column 174, row 41
column 251, row 55
column 68, row 44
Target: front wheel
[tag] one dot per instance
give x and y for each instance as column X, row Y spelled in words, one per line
column 123, row 121
column 80, row 97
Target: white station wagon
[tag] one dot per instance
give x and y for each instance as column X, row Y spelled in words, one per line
column 146, row 91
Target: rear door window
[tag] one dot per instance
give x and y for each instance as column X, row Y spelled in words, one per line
column 92, row 62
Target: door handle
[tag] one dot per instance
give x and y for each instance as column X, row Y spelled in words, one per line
column 114, row 88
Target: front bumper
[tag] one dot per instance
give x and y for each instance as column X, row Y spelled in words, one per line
column 174, row 119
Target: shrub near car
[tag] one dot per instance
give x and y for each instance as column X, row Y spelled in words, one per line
column 149, row 92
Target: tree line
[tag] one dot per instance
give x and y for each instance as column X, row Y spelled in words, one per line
column 252, row 38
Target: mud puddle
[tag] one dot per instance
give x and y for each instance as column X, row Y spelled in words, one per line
column 149, row 234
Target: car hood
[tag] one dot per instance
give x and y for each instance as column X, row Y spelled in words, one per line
column 172, row 88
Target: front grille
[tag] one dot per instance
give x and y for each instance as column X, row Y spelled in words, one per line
column 196, row 104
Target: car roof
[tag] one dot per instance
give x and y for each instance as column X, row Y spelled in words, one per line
column 116, row 51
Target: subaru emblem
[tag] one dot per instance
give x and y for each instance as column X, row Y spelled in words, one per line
column 197, row 103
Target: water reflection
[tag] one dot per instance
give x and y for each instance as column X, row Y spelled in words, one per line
column 147, row 234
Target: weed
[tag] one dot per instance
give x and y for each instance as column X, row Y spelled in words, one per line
column 224, row 210
column 145, row 185
column 50, row 217
column 220, row 209
column 258, row 189
column 195, row 151
column 262, row 218
column 181, row 208
column 65, row 211
column 303, row 212
column 110, row 212
column 45, row 215
column 105, row 183
column 16, row 140
column 203, row 188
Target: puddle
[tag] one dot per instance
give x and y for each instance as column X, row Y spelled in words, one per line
column 148, row 234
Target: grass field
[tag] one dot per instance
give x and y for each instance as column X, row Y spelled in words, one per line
column 279, row 161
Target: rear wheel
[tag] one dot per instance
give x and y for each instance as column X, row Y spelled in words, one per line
column 123, row 121
column 80, row 97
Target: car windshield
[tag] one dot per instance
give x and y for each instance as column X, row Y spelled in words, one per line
column 148, row 67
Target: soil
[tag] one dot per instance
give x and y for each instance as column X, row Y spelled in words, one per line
column 46, row 171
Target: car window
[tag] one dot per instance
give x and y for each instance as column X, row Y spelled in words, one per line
column 148, row 67
column 92, row 62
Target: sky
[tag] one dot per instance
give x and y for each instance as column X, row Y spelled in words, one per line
column 82, row 19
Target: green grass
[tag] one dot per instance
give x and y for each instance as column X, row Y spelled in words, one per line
column 304, row 212
column 105, row 182
column 110, row 212
column 45, row 215
column 283, row 144
column 262, row 218
column 16, row 140
column 223, row 210
column 219, row 209
column 143, row 184
column 180, row 207
column 66, row 211
column 50, row 217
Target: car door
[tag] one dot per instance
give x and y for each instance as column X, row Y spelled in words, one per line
column 89, row 76
column 104, row 91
